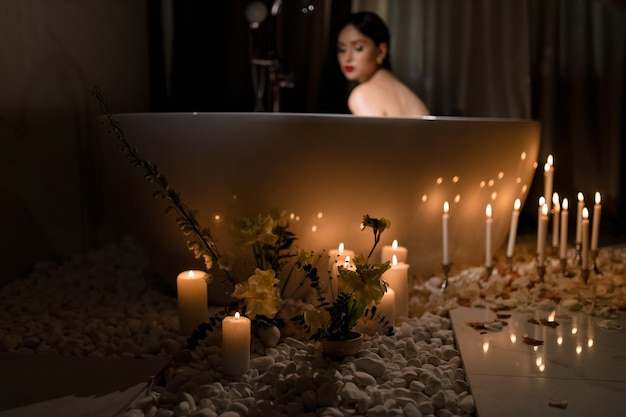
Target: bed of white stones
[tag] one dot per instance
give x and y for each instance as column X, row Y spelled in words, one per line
column 100, row 305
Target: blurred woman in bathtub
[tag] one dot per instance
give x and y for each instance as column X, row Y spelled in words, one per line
column 363, row 54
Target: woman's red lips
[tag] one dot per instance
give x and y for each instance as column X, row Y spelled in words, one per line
column 349, row 68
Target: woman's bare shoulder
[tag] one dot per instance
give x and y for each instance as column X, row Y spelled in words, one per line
column 367, row 99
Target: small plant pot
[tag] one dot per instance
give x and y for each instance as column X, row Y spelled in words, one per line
column 341, row 348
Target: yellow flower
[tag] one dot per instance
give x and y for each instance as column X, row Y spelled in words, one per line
column 305, row 257
column 365, row 284
column 316, row 318
column 261, row 295
column 259, row 229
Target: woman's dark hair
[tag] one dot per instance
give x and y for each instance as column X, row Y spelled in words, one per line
column 372, row 26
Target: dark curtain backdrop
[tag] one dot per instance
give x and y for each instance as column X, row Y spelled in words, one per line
column 558, row 61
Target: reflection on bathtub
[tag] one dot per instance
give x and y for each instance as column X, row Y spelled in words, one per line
column 327, row 171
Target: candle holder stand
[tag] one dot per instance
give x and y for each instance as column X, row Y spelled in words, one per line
column 509, row 263
column 566, row 273
column 541, row 269
column 584, row 273
column 578, row 257
column 594, row 265
column 489, row 269
column 446, row 272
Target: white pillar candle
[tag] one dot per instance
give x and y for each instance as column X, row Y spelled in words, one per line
column 488, row 226
column 548, row 169
column 542, row 234
column 337, row 257
column 556, row 211
column 397, row 278
column 595, row 228
column 446, row 216
column 236, row 344
column 513, row 231
column 579, row 218
column 387, row 306
column 193, row 307
column 584, row 255
column 564, row 219
column 394, row 249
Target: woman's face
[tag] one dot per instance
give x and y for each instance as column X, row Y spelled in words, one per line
column 357, row 54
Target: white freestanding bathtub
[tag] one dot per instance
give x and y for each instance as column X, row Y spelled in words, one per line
column 328, row 170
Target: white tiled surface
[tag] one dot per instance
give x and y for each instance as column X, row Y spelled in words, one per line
column 510, row 378
column 64, row 386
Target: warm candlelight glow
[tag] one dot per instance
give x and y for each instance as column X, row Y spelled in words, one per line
column 394, row 244
column 555, row 198
column 341, row 247
column 446, row 207
column 551, row 316
column 488, row 211
column 598, row 198
column 546, row 167
column 237, row 315
column 544, row 210
column 394, row 260
column 486, row 346
column 550, row 160
column 565, row 204
column 517, row 205
column 579, row 349
column 585, row 213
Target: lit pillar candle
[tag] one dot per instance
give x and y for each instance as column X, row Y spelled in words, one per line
column 193, row 307
column 446, row 216
column 595, row 228
column 548, row 174
column 397, row 278
column 513, row 231
column 556, row 211
column 394, row 249
column 564, row 219
column 236, row 344
column 584, row 255
column 542, row 234
column 488, row 227
column 387, row 306
column 337, row 257
column 579, row 218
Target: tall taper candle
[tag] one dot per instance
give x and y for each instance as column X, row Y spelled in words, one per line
column 542, row 235
column 556, row 211
column 488, row 226
column 564, row 219
column 236, row 344
column 193, row 307
column 595, row 228
column 584, row 255
column 446, row 216
column 548, row 179
column 579, row 218
column 513, row 231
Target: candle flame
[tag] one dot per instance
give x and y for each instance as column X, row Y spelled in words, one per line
column 581, row 197
column 340, row 249
column 550, row 160
column 555, row 198
column 565, row 204
column 598, row 199
column 590, row 342
column 190, row 275
column 488, row 210
column 551, row 316
column 517, row 205
column 544, row 210
column 585, row 213
column 446, row 207
column 542, row 201
column 394, row 260
column 394, row 244
column 347, row 261
column 485, row 347
column 579, row 349
column 546, row 167
column 237, row 315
